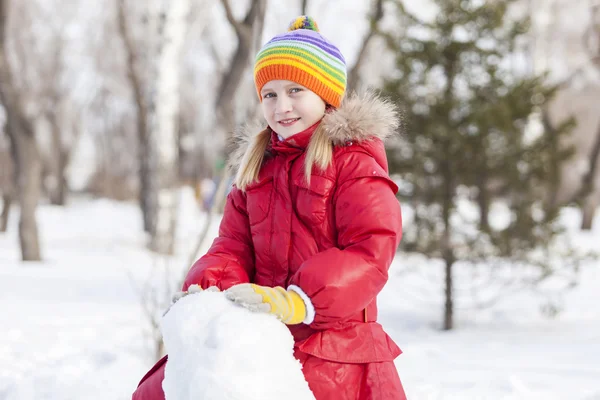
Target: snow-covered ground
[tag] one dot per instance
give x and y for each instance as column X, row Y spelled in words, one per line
column 72, row 327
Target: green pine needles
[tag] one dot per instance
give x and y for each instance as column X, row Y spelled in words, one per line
column 468, row 146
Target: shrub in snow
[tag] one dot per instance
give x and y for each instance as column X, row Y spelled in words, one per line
column 218, row 350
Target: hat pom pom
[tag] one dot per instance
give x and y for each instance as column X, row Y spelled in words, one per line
column 303, row 22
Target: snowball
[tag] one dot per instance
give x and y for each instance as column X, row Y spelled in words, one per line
column 218, row 350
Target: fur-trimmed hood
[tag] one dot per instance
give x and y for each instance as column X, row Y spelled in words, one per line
column 360, row 117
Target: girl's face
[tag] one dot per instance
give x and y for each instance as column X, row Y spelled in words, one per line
column 290, row 108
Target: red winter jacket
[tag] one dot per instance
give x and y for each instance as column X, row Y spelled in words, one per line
column 334, row 239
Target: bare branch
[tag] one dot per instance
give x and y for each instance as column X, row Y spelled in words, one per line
column 234, row 22
column 132, row 74
column 376, row 16
column 249, row 34
column 257, row 22
column 238, row 65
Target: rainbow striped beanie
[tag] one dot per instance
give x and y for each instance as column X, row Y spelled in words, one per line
column 304, row 56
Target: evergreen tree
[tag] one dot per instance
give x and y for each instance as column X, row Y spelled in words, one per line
column 466, row 113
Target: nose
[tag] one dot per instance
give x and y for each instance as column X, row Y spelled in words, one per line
column 283, row 105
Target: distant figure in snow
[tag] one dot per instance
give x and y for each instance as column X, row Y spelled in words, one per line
column 312, row 223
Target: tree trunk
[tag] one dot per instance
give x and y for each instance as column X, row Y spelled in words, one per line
column 57, row 193
column 483, row 201
column 164, row 131
column 446, row 242
column 448, row 205
column 147, row 199
column 354, row 73
column 588, row 211
column 448, row 304
column 590, row 205
column 28, row 189
column 9, row 193
column 147, row 192
column 248, row 33
column 27, row 161
column 447, row 253
column 28, row 168
column 6, row 202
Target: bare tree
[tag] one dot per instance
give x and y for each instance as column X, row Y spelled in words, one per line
column 27, row 160
column 7, row 180
column 249, row 33
column 147, row 196
column 53, row 95
column 6, row 203
column 164, row 130
column 153, row 73
column 570, row 52
column 44, row 90
column 374, row 18
column 109, row 114
column 592, row 41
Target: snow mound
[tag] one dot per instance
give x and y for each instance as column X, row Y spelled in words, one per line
column 218, row 350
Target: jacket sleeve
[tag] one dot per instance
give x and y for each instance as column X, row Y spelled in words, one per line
column 343, row 280
column 230, row 259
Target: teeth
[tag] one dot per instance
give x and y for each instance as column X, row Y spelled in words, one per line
column 285, row 121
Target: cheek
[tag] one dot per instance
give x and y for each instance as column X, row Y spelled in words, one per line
column 316, row 111
column 266, row 110
column 316, row 107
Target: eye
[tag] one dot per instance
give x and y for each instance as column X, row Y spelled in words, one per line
column 295, row 90
column 268, row 95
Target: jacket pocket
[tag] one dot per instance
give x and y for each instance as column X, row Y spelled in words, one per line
column 258, row 200
column 313, row 199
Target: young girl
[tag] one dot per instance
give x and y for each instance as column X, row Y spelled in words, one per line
column 312, row 224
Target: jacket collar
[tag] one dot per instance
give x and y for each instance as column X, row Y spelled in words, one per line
column 295, row 143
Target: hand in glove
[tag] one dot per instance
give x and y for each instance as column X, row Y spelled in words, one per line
column 287, row 305
column 191, row 290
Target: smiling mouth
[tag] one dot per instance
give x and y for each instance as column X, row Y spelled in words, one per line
column 288, row 121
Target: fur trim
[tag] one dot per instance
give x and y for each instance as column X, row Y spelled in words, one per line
column 360, row 117
column 241, row 140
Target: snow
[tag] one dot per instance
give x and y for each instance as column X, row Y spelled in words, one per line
column 73, row 326
column 221, row 351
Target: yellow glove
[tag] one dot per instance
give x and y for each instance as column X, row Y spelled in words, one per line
column 286, row 305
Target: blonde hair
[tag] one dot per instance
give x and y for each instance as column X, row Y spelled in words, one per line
column 319, row 153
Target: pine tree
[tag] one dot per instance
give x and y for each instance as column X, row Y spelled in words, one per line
column 466, row 113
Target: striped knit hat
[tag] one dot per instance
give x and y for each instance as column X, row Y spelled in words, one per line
column 303, row 56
